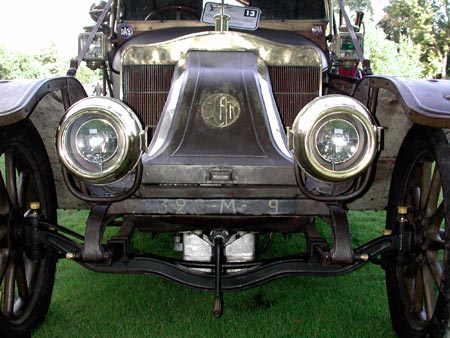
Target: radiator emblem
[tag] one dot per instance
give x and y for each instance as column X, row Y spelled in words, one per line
column 220, row 110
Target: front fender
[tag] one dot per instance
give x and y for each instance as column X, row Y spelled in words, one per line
column 44, row 102
column 425, row 102
column 398, row 104
column 18, row 98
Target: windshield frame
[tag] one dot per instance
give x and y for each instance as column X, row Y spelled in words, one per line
column 327, row 14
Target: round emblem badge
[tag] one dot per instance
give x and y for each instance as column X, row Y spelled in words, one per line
column 220, row 110
column 126, row 31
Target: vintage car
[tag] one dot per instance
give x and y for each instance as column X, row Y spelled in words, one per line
column 222, row 122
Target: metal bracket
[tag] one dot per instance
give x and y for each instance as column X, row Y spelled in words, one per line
column 95, row 227
column 316, row 244
column 342, row 252
column 119, row 244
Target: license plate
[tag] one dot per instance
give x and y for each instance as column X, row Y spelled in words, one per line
column 240, row 17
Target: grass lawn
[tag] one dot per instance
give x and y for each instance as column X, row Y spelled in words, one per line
column 87, row 304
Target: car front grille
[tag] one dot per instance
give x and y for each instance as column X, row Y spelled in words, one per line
column 146, row 87
column 294, row 87
column 145, row 90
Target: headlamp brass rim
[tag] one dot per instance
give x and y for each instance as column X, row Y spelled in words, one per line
column 70, row 164
column 309, row 121
column 129, row 140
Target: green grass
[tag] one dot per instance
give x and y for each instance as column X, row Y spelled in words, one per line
column 88, row 304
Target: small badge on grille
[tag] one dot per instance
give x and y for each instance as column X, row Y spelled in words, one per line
column 126, row 31
column 220, row 110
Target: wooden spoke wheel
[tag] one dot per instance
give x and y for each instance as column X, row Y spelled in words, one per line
column 418, row 291
column 26, row 281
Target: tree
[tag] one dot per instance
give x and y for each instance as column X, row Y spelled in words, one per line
column 391, row 58
column 360, row 5
column 17, row 65
column 51, row 61
column 426, row 23
column 46, row 63
column 4, row 64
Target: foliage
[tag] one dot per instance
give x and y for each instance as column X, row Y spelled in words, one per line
column 86, row 75
column 46, row 63
column 16, row 65
column 426, row 23
column 391, row 58
column 360, row 5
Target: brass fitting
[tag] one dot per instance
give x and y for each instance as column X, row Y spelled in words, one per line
column 402, row 210
column 387, row 232
column 35, row 205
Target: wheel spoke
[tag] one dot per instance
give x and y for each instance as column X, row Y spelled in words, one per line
column 418, row 293
column 410, row 289
column 5, row 203
column 434, row 266
column 433, row 195
column 22, row 187
column 430, row 296
column 437, row 218
column 8, row 296
column 22, row 285
column 425, row 183
column 31, row 270
column 11, row 184
column 4, row 255
column 18, row 305
column 415, row 195
column 3, row 232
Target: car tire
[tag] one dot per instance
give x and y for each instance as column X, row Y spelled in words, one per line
column 26, row 281
column 418, row 292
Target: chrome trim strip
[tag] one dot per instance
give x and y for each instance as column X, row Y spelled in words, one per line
column 173, row 51
column 169, row 52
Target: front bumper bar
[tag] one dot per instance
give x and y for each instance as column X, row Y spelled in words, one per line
column 250, row 274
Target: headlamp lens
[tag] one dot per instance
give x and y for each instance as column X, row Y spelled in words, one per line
column 337, row 141
column 96, row 141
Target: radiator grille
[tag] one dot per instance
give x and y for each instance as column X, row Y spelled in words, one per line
column 294, row 87
column 146, row 87
column 145, row 90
